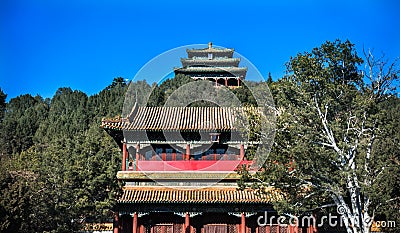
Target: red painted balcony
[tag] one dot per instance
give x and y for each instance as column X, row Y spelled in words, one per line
column 189, row 165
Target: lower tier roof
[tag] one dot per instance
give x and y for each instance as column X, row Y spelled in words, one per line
column 180, row 118
column 210, row 195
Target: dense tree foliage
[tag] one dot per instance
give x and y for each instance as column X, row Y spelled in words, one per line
column 3, row 97
column 58, row 166
column 337, row 143
column 160, row 93
column 23, row 117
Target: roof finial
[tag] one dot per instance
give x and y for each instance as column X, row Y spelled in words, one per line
column 209, row 45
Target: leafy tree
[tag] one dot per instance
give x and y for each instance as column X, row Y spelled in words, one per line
column 244, row 94
column 68, row 115
column 13, row 201
column 269, row 80
column 139, row 93
column 161, row 93
column 65, row 176
column 109, row 102
column 100, row 158
column 330, row 129
column 117, row 82
column 3, row 97
column 23, row 116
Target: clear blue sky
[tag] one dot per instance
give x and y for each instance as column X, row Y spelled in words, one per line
column 84, row 44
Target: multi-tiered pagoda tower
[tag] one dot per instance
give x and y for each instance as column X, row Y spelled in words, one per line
column 213, row 64
column 188, row 184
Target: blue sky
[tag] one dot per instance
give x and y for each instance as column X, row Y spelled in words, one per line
column 47, row 44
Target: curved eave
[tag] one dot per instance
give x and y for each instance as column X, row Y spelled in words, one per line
column 118, row 128
column 211, row 69
column 229, row 62
column 178, row 119
column 214, row 50
column 204, row 52
column 195, row 71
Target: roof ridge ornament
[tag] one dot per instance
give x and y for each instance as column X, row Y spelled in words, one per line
column 134, row 109
column 210, row 45
column 132, row 115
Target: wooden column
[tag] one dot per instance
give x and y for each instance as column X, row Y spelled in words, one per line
column 187, row 223
column 116, row 222
column 134, row 224
column 124, row 156
column 312, row 228
column 294, row 226
column 243, row 224
column 241, row 152
column 137, row 156
column 226, row 82
column 187, row 155
column 238, row 80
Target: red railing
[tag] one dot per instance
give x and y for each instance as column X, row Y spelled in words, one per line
column 190, row 165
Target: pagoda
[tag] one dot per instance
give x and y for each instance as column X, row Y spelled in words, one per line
column 188, row 184
column 213, row 64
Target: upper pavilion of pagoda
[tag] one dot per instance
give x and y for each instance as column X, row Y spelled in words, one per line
column 213, row 64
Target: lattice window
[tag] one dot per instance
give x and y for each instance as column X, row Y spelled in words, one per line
column 232, row 228
column 179, row 156
column 159, row 153
column 147, row 229
column 148, row 155
column 220, row 151
column 233, row 157
column 263, row 229
column 197, row 155
column 168, row 155
column 216, row 228
column 214, row 137
column 178, row 228
column 210, row 154
column 163, row 228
